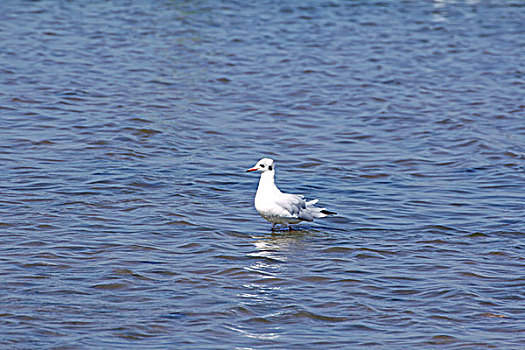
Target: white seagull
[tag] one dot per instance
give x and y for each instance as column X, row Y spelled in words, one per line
column 278, row 207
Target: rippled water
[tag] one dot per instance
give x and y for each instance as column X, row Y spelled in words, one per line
column 126, row 218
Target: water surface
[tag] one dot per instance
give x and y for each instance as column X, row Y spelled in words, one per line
column 126, row 218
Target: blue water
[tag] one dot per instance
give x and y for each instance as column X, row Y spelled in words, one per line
column 127, row 218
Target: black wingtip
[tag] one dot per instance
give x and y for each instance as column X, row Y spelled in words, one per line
column 326, row 212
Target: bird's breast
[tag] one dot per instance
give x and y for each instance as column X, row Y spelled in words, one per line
column 262, row 203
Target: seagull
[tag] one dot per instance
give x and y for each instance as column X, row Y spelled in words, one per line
column 278, row 207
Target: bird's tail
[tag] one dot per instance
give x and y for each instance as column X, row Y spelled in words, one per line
column 316, row 211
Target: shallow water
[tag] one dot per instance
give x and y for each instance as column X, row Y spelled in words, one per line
column 126, row 217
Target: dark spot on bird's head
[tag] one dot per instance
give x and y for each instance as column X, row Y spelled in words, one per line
column 270, row 168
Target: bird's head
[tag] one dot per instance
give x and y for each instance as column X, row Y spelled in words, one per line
column 264, row 165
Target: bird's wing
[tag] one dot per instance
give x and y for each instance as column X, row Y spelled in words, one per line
column 292, row 203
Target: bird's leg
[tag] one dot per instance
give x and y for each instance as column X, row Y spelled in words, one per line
column 273, row 227
column 290, row 228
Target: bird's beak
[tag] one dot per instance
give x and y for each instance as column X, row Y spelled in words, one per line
column 251, row 169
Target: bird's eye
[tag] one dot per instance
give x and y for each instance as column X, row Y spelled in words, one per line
column 261, row 165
